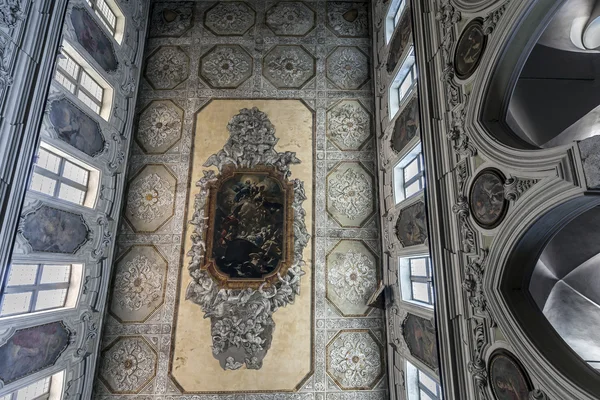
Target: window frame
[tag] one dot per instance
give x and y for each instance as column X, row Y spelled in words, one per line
column 98, row 10
column 427, row 279
column 393, row 18
column 36, row 288
column 396, row 99
column 60, row 179
column 78, row 85
column 400, row 183
column 54, row 391
column 414, row 385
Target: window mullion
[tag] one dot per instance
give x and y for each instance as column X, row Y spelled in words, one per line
column 91, row 96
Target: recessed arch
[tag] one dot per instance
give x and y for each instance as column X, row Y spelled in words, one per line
column 541, row 94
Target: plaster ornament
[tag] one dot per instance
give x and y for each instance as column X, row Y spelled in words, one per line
column 159, row 124
column 349, row 125
column 354, row 360
column 348, row 67
column 515, row 187
column 128, row 365
column 290, row 18
column 288, row 66
column 150, row 197
column 492, row 19
column 10, row 13
column 241, row 319
column 226, row 66
column 167, row 67
column 353, row 277
column 138, row 283
column 351, row 193
column 230, row 18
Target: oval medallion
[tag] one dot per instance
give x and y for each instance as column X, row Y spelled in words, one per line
column 469, row 49
column 486, row 198
column 508, row 379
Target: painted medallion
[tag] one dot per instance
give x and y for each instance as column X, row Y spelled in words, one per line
column 486, row 198
column 93, row 39
column 411, row 226
column 250, row 235
column 508, row 380
column 469, row 49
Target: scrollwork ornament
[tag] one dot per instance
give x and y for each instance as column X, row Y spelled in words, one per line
column 492, row 19
column 478, row 370
column 458, row 136
column 448, row 16
column 90, row 322
column 242, row 318
column 10, row 13
column 461, row 209
column 514, row 187
column 473, row 283
column 538, row 394
column 99, row 252
column 452, row 90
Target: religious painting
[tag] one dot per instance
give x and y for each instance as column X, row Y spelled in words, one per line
column 76, row 128
column 33, row 349
column 419, row 335
column 399, row 40
column 406, row 126
column 508, row 379
column 54, row 231
column 251, row 237
column 93, row 39
column 248, row 240
column 411, row 226
column 486, row 198
column 469, row 49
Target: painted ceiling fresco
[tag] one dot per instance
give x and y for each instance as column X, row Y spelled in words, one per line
column 249, row 243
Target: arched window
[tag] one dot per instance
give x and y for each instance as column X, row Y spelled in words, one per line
column 30, row 288
column 61, row 176
column 111, row 16
column 49, row 388
column 78, row 77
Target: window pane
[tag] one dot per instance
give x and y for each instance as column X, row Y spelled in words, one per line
column 43, row 184
column 91, row 86
column 404, row 87
column 48, row 161
column 420, row 291
column 69, row 193
column 418, row 266
column 108, row 14
column 34, row 390
column 398, row 13
column 60, row 78
column 75, row 173
column 55, row 273
column 89, row 2
column 425, row 396
column 428, row 382
column 412, row 169
column 15, row 303
column 88, row 102
column 412, row 189
column 68, row 65
column 50, row 299
column 22, row 274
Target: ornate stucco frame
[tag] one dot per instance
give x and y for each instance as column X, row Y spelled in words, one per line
column 287, row 187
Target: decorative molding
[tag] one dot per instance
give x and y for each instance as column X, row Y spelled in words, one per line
column 458, row 136
column 461, row 209
column 10, row 13
column 538, row 394
column 473, row 282
column 492, row 19
column 515, row 187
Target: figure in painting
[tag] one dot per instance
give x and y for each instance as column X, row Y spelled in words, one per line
column 469, row 50
column 249, row 223
column 93, row 39
column 508, row 380
column 487, row 199
column 32, row 349
column 76, row 128
column 420, row 336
